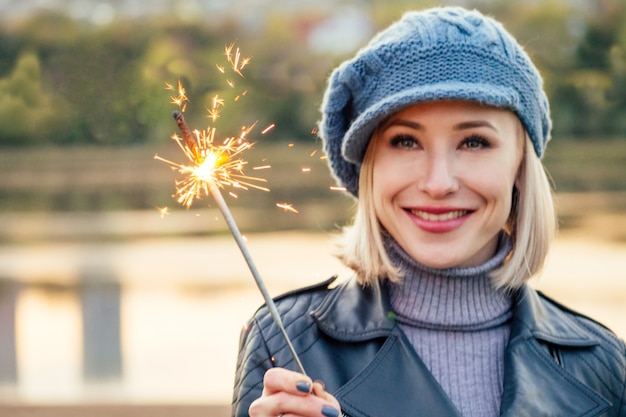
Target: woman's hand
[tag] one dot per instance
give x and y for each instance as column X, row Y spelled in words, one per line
column 289, row 394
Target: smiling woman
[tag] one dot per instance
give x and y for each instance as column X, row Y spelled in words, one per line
column 437, row 127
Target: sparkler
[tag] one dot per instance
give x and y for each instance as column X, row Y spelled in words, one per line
column 212, row 166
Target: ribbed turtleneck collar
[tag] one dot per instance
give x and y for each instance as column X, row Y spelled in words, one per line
column 462, row 299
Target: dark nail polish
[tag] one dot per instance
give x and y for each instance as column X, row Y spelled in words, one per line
column 329, row 411
column 303, row 386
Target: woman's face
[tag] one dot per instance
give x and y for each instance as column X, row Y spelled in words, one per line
column 443, row 176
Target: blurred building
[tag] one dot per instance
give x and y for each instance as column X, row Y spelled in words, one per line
column 89, row 9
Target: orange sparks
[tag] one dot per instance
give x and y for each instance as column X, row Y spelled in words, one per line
column 306, row 169
column 268, row 128
column 163, row 211
column 244, row 62
column 217, row 101
column 181, row 99
column 228, row 49
column 235, row 60
column 213, row 114
column 337, row 188
column 286, row 207
column 210, row 162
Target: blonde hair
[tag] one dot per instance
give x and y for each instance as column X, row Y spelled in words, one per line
column 531, row 225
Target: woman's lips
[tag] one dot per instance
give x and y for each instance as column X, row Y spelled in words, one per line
column 439, row 220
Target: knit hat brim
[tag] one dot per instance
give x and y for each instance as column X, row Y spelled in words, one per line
column 358, row 136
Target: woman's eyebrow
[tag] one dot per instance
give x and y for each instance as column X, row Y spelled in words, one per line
column 473, row 124
column 402, row 122
column 470, row 124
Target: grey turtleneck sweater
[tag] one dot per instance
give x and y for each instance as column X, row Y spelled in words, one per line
column 459, row 325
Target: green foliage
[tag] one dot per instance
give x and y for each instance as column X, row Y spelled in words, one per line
column 67, row 82
column 588, row 95
column 28, row 114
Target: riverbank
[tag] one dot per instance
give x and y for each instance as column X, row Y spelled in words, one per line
column 99, row 410
column 182, row 302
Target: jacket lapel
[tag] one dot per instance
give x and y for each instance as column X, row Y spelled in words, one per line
column 535, row 385
column 396, row 383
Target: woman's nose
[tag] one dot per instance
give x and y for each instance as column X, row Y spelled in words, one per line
column 438, row 178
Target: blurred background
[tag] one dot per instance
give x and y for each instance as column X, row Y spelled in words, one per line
column 115, row 300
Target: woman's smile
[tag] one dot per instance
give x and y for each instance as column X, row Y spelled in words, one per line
column 438, row 220
column 441, row 215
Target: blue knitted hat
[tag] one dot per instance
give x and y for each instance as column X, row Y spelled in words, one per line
column 437, row 54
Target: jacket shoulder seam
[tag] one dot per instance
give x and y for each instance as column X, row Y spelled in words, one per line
column 571, row 312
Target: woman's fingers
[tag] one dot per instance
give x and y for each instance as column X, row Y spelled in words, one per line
column 288, row 394
column 319, row 390
column 282, row 403
column 280, row 379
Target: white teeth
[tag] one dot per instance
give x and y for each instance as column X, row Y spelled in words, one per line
column 442, row 217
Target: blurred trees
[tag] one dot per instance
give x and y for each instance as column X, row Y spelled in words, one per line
column 68, row 82
column 590, row 94
column 28, row 115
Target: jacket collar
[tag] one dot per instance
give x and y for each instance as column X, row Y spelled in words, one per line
column 546, row 321
column 535, row 384
column 354, row 313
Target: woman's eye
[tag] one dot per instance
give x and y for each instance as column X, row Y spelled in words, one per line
column 475, row 142
column 404, row 141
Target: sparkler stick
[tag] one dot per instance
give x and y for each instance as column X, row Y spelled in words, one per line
column 214, row 166
column 234, row 230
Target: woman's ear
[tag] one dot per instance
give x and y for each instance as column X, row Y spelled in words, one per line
column 511, row 222
column 518, row 177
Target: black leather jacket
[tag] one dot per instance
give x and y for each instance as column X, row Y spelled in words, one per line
column 557, row 362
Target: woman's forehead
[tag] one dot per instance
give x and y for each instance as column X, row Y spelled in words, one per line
column 451, row 106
